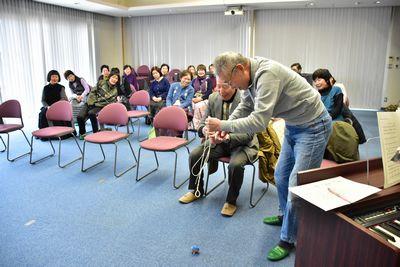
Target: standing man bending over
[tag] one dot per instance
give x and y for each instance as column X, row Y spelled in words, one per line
column 271, row 89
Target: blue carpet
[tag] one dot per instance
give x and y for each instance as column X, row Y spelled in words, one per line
column 91, row 218
column 63, row 217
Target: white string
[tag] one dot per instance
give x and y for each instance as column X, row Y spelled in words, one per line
column 203, row 160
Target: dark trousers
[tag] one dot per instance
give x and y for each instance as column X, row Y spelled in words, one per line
column 88, row 113
column 235, row 168
column 155, row 107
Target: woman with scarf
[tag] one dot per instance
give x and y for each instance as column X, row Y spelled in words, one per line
column 129, row 78
column 202, row 89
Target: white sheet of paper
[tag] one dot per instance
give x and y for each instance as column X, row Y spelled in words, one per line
column 333, row 193
column 389, row 132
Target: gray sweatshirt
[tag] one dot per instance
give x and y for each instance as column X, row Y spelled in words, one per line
column 275, row 91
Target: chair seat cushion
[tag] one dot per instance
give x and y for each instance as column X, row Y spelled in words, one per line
column 163, row 143
column 137, row 113
column 6, row 128
column 106, row 137
column 53, row 131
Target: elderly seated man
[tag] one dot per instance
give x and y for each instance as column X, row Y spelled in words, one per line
column 241, row 148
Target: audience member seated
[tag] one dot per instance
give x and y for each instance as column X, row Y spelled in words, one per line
column 104, row 93
column 124, row 90
column 105, row 71
column 345, row 137
column 296, row 67
column 192, row 71
column 211, row 76
column 52, row 93
column 158, row 91
column 79, row 89
column 202, row 89
column 331, row 96
column 165, row 71
column 129, row 78
column 239, row 147
column 181, row 93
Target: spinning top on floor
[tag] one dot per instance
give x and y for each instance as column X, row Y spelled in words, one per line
column 195, row 250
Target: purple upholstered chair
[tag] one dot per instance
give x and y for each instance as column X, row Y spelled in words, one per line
column 11, row 109
column 143, row 70
column 169, row 118
column 226, row 160
column 173, row 75
column 59, row 111
column 143, row 77
column 139, row 98
column 112, row 114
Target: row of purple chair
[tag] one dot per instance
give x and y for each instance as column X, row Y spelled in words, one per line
column 170, row 119
column 144, row 76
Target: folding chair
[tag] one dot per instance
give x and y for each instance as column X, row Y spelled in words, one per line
column 59, row 111
column 11, row 109
column 139, row 98
column 171, row 118
column 112, row 114
column 226, row 160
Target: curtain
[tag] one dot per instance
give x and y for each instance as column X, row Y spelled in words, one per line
column 36, row 38
column 184, row 39
column 350, row 42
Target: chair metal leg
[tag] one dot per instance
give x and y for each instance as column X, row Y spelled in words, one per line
column 59, row 153
column 138, row 128
column 206, row 192
column 115, row 160
column 176, row 159
column 138, row 164
column 83, row 158
column 264, row 190
column 8, row 147
column 5, row 147
column 186, row 134
column 45, row 157
column 131, row 123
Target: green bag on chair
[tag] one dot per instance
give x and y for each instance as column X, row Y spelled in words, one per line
column 152, row 133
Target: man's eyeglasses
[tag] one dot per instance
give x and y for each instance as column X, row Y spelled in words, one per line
column 230, row 79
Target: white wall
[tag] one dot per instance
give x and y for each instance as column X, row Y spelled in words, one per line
column 107, row 42
column 391, row 85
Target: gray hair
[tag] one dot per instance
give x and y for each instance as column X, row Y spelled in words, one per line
column 226, row 61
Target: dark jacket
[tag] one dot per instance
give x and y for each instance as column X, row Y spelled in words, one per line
column 246, row 141
column 103, row 94
column 53, row 93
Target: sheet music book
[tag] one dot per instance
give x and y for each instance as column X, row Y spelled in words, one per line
column 333, row 193
column 389, row 132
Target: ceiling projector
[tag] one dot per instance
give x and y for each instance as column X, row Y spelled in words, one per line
column 234, row 11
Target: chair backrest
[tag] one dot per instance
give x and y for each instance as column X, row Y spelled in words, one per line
column 113, row 114
column 60, row 111
column 140, row 98
column 143, row 70
column 171, row 118
column 10, row 109
column 174, row 75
